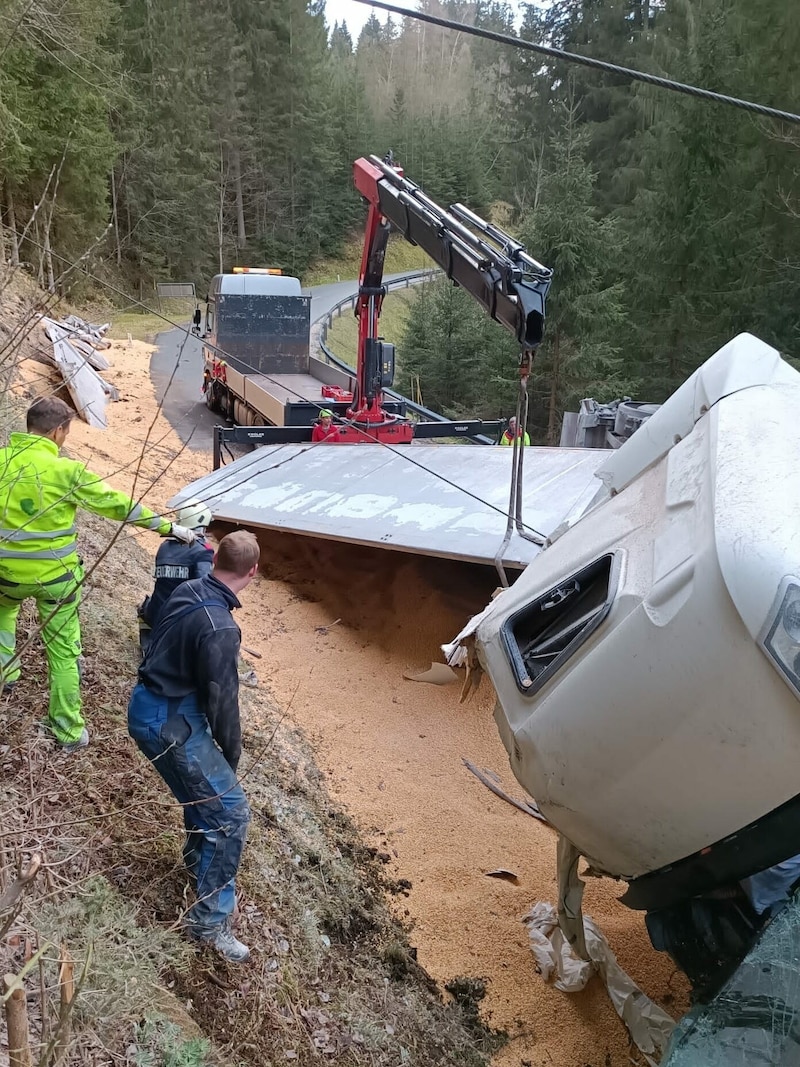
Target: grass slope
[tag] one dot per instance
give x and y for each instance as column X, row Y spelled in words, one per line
column 144, row 325
column 332, row 974
column 400, row 257
column 343, row 332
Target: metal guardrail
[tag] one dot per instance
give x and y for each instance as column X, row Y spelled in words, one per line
column 403, row 282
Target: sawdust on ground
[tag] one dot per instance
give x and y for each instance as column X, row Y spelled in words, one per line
column 392, row 749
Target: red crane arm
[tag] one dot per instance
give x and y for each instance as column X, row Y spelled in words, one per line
column 375, row 367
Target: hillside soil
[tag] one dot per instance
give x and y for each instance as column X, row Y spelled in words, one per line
column 375, row 764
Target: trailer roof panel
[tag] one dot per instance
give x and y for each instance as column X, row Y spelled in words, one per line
column 438, row 500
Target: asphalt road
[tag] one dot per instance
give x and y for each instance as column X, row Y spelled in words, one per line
column 176, row 369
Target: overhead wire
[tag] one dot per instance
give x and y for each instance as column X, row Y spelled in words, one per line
column 587, row 61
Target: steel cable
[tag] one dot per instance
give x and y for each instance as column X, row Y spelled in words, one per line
column 588, row 61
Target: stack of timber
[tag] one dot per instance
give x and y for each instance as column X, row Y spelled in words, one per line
column 77, row 354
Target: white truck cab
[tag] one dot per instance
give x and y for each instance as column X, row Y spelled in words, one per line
column 647, row 664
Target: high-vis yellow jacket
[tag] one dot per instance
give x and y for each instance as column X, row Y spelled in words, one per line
column 40, row 492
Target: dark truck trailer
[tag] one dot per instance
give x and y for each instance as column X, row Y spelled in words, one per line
column 258, row 369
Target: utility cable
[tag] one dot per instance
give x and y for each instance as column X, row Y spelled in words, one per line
column 588, row 61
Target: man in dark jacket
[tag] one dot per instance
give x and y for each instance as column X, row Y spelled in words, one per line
column 177, row 562
column 184, row 716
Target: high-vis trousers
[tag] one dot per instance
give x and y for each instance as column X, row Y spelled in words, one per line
column 57, row 606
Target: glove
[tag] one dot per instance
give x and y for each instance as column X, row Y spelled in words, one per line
column 183, row 534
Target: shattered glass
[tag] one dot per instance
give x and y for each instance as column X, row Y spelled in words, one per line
column 755, row 1018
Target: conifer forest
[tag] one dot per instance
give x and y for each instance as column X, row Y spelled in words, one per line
column 155, row 140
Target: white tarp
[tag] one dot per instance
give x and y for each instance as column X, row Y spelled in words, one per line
column 649, row 1026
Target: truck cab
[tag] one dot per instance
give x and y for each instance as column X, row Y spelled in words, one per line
column 257, row 366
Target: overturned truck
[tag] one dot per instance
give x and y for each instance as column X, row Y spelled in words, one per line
column 647, row 665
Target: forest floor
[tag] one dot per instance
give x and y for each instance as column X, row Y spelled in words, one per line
column 369, row 835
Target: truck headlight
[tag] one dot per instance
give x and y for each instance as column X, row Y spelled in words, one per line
column 781, row 636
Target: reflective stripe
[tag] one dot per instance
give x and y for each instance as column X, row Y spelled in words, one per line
column 67, row 576
column 36, row 535
column 136, row 513
column 44, row 553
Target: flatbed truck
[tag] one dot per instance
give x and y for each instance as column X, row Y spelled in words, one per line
column 257, row 366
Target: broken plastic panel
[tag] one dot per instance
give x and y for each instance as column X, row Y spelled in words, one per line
column 755, row 1019
column 545, row 633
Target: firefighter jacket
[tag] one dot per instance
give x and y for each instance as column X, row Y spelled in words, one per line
column 176, row 563
column 40, row 492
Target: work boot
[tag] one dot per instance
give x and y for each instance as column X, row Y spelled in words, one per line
column 223, row 942
column 68, row 747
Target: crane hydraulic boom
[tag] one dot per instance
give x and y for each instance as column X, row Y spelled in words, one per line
column 486, row 262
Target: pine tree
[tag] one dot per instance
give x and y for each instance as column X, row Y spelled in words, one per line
column 57, row 85
column 706, row 221
column 453, row 355
column 580, row 355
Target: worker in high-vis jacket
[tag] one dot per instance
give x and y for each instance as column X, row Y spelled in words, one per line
column 512, row 431
column 40, row 491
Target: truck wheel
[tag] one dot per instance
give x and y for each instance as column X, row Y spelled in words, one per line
column 212, row 398
column 706, row 938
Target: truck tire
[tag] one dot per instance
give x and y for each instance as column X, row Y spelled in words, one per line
column 706, row 938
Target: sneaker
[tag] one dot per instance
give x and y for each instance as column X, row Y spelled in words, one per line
column 69, row 747
column 228, row 946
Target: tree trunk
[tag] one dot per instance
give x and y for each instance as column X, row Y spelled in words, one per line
column 221, row 212
column 115, row 216
column 3, row 259
column 48, row 259
column 12, row 225
column 66, row 985
column 19, row 1048
column 40, row 250
column 128, row 222
column 241, row 232
column 552, row 409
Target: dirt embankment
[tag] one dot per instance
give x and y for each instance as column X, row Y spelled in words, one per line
column 391, row 752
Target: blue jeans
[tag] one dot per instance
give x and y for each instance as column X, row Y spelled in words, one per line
column 176, row 739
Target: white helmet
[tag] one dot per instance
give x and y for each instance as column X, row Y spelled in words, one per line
column 194, row 514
